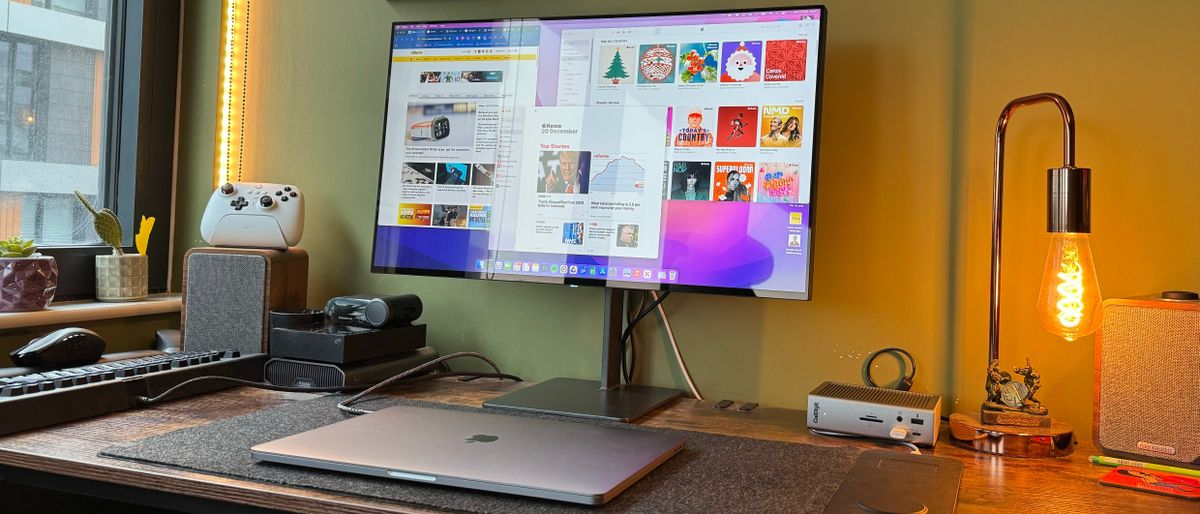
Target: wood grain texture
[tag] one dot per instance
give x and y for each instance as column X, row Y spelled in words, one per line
column 61, row 313
column 990, row 484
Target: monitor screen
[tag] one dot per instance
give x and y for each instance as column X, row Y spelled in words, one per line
column 673, row 151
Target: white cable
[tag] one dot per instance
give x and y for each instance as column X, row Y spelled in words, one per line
column 913, row 447
column 675, row 347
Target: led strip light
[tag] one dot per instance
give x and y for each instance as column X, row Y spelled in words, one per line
column 235, row 42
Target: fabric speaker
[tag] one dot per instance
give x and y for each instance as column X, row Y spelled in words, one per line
column 1147, row 400
column 228, row 294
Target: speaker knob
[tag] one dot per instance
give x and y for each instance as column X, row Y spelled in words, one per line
column 1180, row 295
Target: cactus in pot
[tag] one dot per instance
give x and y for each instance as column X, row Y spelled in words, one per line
column 120, row 277
column 107, row 226
column 28, row 279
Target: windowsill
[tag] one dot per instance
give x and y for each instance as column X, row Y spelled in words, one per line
column 76, row 312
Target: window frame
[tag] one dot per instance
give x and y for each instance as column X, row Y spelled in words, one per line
column 139, row 141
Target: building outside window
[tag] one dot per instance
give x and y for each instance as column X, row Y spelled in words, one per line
column 53, row 81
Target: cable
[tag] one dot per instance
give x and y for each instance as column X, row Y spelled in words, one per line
column 913, row 447
column 633, row 346
column 628, row 332
column 144, row 401
column 906, row 382
column 467, row 375
column 675, row 347
column 629, row 349
column 344, row 405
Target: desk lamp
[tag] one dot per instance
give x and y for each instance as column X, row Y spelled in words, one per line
column 1011, row 420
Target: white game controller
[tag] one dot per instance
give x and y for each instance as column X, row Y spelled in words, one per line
column 254, row 215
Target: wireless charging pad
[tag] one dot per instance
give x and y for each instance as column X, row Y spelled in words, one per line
column 895, row 482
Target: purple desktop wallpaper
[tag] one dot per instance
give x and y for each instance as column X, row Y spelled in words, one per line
column 726, row 245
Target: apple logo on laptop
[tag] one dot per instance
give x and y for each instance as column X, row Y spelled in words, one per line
column 482, row 438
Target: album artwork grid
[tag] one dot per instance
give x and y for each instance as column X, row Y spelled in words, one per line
column 704, row 62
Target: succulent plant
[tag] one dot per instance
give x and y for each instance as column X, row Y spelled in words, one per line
column 108, row 227
column 16, row 247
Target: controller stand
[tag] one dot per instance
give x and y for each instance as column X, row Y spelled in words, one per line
column 607, row 398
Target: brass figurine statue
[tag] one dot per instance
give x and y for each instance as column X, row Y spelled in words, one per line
column 1010, row 402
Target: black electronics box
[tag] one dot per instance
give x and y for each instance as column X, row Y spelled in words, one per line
column 299, row 373
column 340, row 344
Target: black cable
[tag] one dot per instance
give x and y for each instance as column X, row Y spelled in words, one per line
column 629, row 348
column 906, row 382
column 627, row 334
column 467, row 376
column 440, row 361
column 344, row 405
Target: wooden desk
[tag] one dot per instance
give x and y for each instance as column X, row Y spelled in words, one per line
column 990, row 484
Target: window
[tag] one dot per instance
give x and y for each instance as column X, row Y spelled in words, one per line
column 87, row 92
column 51, row 98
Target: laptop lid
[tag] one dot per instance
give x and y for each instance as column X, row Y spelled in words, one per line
column 558, row 460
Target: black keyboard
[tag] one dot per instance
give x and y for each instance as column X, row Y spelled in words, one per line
column 49, row 397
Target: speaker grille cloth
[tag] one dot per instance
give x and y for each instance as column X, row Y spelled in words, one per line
column 285, row 372
column 1150, row 380
column 225, row 302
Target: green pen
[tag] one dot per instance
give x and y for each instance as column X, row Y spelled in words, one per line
column 1110, row 461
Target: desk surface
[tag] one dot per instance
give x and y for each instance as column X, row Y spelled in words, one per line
column 989, row 483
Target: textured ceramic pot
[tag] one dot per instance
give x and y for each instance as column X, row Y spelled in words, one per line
column 121, row 278
column 27, row 283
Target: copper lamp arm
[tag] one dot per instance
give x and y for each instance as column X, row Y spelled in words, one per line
column 1068, row 117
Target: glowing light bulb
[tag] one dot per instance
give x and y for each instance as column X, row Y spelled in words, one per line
column 1069, row 298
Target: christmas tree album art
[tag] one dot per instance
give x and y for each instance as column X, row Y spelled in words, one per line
column 618, row 64
column 656, row 64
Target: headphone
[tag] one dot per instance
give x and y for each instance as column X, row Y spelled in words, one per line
column 906, row 383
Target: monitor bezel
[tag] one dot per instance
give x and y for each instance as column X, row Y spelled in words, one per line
column 606, row 282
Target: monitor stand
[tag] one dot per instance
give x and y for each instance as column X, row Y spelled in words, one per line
column 605, row 399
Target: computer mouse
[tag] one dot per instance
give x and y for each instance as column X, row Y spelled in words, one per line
column 61, row 348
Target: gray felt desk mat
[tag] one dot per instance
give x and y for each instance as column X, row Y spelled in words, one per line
column 713, row 473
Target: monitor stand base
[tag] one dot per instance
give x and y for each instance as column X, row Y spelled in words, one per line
column 607, row 398
column 585, row 399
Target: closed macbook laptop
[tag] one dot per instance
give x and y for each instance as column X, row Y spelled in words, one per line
column 558, row 460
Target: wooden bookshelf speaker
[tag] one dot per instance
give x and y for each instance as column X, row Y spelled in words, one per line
column 228, row 294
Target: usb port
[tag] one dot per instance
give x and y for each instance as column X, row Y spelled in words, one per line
column 917, row 421
column 873, row 420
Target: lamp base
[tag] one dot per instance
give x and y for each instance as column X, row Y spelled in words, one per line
column 967, row 431
column 1013, row 418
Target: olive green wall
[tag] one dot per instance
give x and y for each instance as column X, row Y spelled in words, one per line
column 912, row 90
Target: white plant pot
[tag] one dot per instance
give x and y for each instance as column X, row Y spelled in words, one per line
column 121, row 278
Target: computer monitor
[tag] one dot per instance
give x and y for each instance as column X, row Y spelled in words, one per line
column 667, row 152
